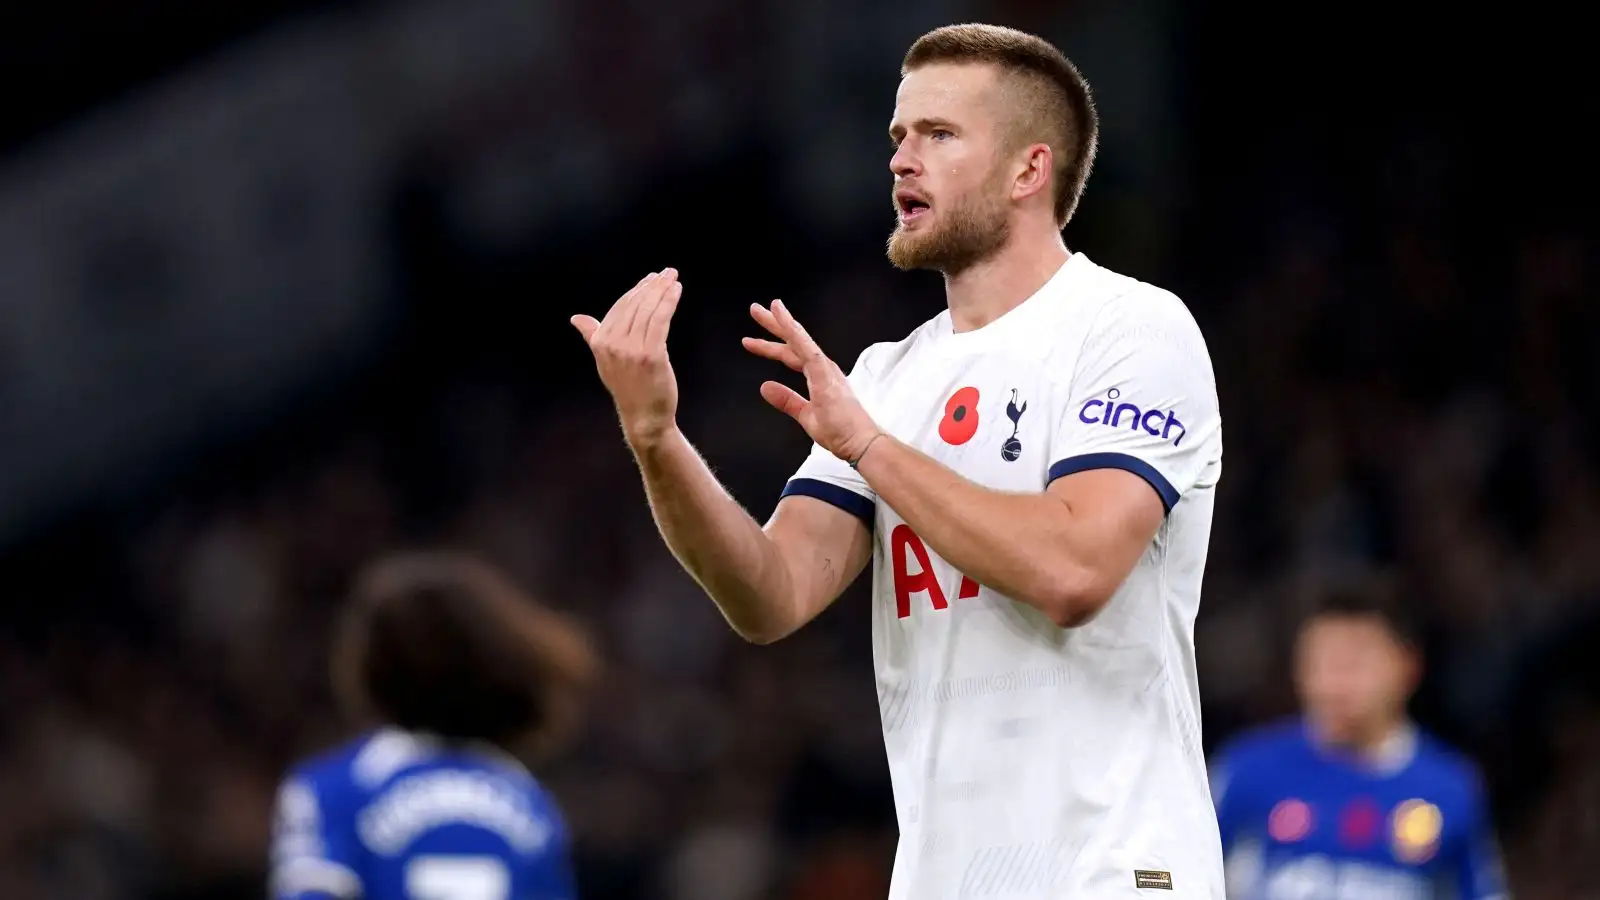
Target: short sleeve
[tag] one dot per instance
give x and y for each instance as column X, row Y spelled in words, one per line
column 830, row 479
column 1477, row 865
column 1235, row 793
column 1225, row 798
column 312, row 858
column 550, row 868
column 1142, row 398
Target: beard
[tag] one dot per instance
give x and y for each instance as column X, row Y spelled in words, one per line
column 965, row 232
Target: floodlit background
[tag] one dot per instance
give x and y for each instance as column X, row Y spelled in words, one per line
column 285, row 284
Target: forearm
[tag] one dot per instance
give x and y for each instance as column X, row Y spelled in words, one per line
column 1017, row 544
column 718, row 543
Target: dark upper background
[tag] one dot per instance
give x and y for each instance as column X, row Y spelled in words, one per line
column 285, row 284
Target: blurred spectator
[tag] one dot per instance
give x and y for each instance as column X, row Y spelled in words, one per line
column 149, row 756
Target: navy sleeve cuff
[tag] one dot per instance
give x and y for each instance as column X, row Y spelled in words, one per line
column 851, row 502
column 1090, row 461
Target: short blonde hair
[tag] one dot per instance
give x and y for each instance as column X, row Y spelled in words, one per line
column 1054, row 105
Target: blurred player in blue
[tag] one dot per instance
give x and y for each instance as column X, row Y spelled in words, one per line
column 461, row 676
column 1352, row 802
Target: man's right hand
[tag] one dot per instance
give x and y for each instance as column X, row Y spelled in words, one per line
column 630, row 350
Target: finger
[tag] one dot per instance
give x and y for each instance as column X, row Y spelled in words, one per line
column 784, row 398
column 586, row 325
column 767, row 320
column 622, row 310
column 795, row 333
column 773, row 350
column 660, row 321
column 649, row 298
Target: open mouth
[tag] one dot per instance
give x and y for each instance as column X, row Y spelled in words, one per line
column 910, row 206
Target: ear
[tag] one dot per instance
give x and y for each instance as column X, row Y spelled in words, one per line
column 1414, row 669
column 1035, row 164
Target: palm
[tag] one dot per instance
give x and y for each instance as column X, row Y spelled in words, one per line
column 630, row 352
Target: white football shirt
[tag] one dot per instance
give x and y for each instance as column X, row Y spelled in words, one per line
column 1031, row 761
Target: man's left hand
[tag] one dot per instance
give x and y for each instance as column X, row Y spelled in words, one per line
column 832, row 415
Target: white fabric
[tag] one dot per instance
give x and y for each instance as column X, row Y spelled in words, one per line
column 1031, row 761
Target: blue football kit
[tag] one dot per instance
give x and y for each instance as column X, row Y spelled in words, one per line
column 401, row 816
column 1301, row 821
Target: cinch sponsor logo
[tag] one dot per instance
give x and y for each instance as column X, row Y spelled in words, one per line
column 1126, row 415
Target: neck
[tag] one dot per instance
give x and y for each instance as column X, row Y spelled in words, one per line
column 1375, row 743
column 989, row 289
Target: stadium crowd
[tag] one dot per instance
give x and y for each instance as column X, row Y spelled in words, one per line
column 1399, row 401
column 1422, row 398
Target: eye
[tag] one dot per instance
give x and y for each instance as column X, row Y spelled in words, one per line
column 940, row 134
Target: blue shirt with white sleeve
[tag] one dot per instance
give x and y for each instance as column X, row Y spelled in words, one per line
column 1300, row 821
column 400, row 816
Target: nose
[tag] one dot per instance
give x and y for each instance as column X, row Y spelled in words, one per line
column 904, row 163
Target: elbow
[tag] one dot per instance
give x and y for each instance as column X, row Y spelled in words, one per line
column 1074, row 598
column 1072, row 613
column 762, row 636
column 752, row 614
column 761, row 623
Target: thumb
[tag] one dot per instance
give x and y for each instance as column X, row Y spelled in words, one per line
column 586, row 326
column 784, row 398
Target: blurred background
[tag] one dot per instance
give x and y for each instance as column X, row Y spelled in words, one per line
column 285, row 284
